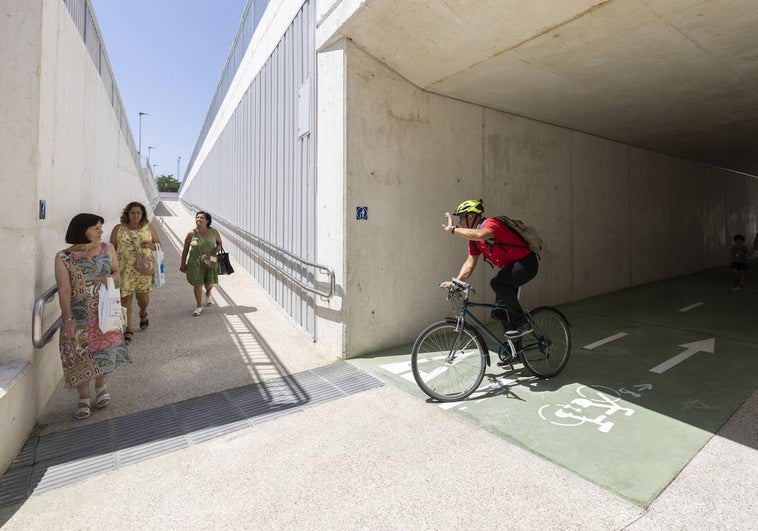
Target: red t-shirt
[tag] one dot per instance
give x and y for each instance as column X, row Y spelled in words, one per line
column 513, row 246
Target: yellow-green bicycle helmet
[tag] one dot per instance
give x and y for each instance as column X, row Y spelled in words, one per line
column 470, row 206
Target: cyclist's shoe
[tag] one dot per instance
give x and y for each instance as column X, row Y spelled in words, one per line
column 499, row 313
column 518, row 331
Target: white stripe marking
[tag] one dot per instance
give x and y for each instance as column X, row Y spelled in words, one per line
column 690, row 307
column 606, row 340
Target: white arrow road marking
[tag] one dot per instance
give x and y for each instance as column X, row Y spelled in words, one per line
column 639, row 387
column 690, row 307
column 696, row 404
column 606, row 340
column 706, row 345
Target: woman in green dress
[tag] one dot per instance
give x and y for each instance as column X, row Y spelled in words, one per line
column 202, row 240
column 87, row 353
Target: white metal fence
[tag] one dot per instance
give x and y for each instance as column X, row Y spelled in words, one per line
column 260, row 175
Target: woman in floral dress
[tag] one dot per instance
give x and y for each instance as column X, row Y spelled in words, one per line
column 134, row 235
column 86, row 352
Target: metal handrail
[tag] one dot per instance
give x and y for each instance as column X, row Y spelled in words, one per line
column 321, row 267
column 328, row 271
column 40, row 339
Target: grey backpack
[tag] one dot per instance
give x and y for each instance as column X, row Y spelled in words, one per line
column 529, row 234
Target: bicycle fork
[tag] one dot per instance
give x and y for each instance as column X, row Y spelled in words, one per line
column 458, row 340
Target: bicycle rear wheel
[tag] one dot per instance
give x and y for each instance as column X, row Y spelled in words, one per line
column 546, row 351
column 448, row 364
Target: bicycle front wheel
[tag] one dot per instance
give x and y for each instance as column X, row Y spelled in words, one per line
column 547, row 350
column 448, row 364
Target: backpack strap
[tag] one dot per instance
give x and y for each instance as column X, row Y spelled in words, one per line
column 528, row 235
column 503, row 245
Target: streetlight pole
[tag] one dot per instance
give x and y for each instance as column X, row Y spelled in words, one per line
column 148, row 153
column 178, row 160
column 154, row 165
column 139, row 150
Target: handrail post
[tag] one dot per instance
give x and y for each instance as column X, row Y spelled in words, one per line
column 40, row 339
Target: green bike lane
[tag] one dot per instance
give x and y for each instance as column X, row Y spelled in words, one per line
column 654, row 372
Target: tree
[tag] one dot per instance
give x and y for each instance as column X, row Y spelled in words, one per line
column 167, row 183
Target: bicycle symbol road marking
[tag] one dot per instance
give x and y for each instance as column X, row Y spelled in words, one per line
column 582, row 410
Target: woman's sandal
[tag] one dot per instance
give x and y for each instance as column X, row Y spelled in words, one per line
column 83, row 409
column 144, row 322
column 102, row 397
column 128, row 336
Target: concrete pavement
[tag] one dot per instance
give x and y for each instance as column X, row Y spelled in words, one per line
column 378, row 459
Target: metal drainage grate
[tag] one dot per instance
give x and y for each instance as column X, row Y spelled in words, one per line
column 58, row 459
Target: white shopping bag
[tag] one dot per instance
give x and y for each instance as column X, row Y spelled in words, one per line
column 109, row 307
column 159, row 278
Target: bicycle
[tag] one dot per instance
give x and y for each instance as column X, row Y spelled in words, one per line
column 449, row 357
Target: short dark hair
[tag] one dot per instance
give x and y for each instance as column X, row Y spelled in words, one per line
column 78, row 227
column 125, row 213
column 208, row 217
column 738, row 237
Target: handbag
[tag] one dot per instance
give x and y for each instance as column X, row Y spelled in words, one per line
column 160, row 266
column 144, row 262
column 209, row 261
column 109, row 312
column 224, row 264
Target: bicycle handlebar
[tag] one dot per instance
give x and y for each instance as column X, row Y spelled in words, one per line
column 458, row 285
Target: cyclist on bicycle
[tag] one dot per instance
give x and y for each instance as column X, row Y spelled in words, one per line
column 503, row 248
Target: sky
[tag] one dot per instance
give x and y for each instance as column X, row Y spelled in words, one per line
column 167, row 57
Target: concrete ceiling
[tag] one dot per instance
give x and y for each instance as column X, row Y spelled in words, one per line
column 674, row 76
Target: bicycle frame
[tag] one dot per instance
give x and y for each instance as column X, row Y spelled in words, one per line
column 466, row 316
column 449, row 358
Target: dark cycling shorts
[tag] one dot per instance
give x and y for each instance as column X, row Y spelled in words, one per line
column 739, row 266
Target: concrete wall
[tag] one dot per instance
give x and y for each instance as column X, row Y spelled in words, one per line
column 612, row 215
column 60, row 141
column 330, row 192
column 409, row 157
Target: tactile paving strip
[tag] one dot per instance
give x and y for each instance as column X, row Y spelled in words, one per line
column 58, row 459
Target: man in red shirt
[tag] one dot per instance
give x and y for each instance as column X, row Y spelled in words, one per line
column 504, row 249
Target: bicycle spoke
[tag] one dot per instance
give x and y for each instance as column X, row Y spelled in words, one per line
column 448, row 364
column 547, row 351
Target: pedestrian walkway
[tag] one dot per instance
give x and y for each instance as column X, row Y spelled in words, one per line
column 243, row 339
column 371, row 457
